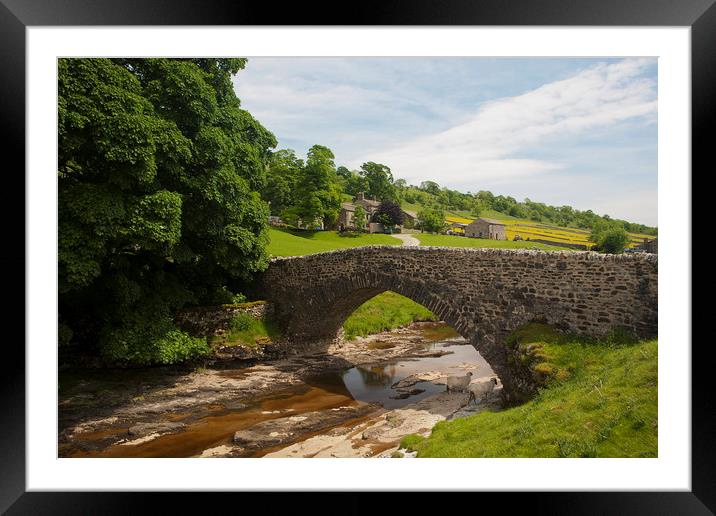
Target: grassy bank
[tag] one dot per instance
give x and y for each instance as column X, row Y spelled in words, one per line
column 248, row 332
column 599, row 400
column 385, row 311
column 297, row 243
column 456, row 241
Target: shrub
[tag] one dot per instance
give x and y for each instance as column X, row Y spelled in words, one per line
column 241, row 322
column 126, row 346
column 177, row 346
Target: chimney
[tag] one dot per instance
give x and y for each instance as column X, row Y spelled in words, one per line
column 360, row 196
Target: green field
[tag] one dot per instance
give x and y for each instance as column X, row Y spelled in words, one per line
column 457, row 241
column 599, row 400
column 297, row 243
column 385, row 311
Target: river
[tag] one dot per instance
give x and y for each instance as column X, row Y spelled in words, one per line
column 357, row 400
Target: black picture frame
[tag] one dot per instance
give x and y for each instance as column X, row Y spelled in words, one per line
column 17, row 15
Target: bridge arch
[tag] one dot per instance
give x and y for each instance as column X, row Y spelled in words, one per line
column 484, row 294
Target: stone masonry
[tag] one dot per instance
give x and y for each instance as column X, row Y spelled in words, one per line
column 212, row 320
column 484, row 294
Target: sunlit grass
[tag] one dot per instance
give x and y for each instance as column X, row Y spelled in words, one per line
column 298, row 243
column 385, row 311
column 600, row 401
column 457, row 241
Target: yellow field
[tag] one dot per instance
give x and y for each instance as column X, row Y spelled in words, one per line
column 528, row 229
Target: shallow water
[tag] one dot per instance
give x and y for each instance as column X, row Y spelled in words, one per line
column 371, row 384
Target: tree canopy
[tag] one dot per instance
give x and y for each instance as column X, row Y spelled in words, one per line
column 158, row 174
column 389, row 213
column 609, row 237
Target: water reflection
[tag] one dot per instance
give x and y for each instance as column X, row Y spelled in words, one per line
column 373, row 383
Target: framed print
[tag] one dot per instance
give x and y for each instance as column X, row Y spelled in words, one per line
column 255, row 236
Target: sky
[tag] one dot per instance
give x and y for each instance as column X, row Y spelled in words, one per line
column 563, row 131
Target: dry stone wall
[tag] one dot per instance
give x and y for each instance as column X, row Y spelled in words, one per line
column 483, row 293
column 212, row 320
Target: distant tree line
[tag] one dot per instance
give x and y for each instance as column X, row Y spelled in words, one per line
column 286, row 190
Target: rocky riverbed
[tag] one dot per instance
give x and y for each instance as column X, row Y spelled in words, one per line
column 357, row 400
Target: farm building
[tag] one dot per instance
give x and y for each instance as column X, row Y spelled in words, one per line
column 486, row 228
column 347, row 216
column 650, row 246
column 370, row 206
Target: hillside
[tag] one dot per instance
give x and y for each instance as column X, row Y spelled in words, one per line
column 549, row 234
column 600, row 400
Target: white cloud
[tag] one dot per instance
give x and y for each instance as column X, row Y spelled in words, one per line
column 490, row 146
column 585, row 139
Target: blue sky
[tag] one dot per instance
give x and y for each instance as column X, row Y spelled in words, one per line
column 581, row 132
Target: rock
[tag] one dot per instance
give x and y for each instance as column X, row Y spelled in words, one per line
column 283, row 430
column 409, row 381
column 141, row 429
column 403, row 393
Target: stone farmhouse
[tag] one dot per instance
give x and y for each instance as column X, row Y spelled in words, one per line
column 486, row 228
column 649, row 246
column 370, row 206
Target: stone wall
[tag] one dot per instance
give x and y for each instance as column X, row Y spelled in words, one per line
column 483, row 293
column 212, row 320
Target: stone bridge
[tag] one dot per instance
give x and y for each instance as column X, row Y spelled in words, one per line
column 484, row 294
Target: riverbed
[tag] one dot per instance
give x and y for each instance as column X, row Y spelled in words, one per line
column 356, row 400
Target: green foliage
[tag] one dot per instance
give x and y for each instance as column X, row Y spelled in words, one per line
column 360, row 217
column 379, row 181
column 144, row 345
column 158, row 168
column 247, row 331
column 431, row 219
column 385, row 312
column 477, row 208
column 317, row 194
column 604, row 406
column 282, row 179
column 389, row 213
column 241, row 322
column 609, row 237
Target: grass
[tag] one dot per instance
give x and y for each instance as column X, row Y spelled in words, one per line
column 248, row 332
column 457, row 241
column 599, row 400
column 298, row 243
column 385, row 311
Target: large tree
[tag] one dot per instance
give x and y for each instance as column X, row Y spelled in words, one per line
column 282, row 179
column 389, row 213
column 158, row 171
column 379, row 180
column 318, row 195
column 431, row 219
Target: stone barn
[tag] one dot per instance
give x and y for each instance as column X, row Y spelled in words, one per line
column 486, row 228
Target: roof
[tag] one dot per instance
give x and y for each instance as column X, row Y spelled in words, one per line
column 348, row 206
column 489, row 221
column 369, row 202
column 411, row 214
